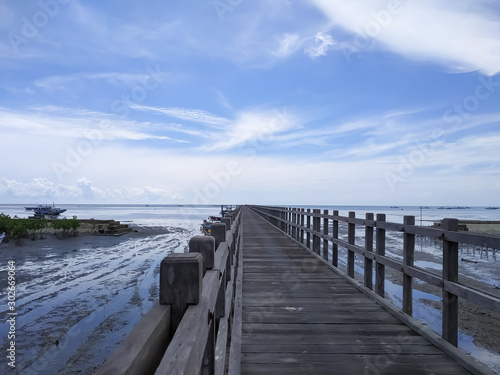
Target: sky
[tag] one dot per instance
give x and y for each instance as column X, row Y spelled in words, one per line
column 281, row 102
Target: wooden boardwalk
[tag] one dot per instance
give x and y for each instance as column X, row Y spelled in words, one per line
column 299, row 317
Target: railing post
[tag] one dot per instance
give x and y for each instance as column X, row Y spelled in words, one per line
column 316, row 229
column 380, row 249
column 450, row 273
column 325, row 232
column 227, row 221
column 408, row 260
column 368, row 247
column 208, row 363
column 218, row 231
column 335, row 235
column 302, row 226
column 289, row 221
column 295, row 217
column 181, row 282
column 351, row 235
column 205, row 245
column 308, row 234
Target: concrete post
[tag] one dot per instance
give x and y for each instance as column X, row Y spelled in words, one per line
column 227, row 221
column 205, row 245
column 181, row 283
column 218, row 231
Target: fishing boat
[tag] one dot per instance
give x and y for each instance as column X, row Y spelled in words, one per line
column 46, row 210
column 206, row 226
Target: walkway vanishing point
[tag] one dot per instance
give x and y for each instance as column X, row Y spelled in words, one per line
column 274, row 305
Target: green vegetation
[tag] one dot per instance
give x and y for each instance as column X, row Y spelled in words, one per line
column 67, row 227
column 16, row 228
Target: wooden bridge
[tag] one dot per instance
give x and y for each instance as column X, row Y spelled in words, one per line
column 266, row 296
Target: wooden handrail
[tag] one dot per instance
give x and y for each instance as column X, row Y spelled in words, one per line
column 448, row 233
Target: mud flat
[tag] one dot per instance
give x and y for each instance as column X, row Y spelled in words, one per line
column 78, row 297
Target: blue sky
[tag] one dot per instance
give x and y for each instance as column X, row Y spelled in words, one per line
column 273, row 102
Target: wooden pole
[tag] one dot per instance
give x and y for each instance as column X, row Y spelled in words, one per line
column 316, row 224
column 380, row 249
column 408, row 260
column 351, row 235
column 325, row 232
column 335, row 235
column 450, row 273
column 302, row 226
column 308, row 234
column 368, row 272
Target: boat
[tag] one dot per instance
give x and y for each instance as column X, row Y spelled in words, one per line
column 206, row 226
column 46, row 210
column 2, row 236
column 491, row 208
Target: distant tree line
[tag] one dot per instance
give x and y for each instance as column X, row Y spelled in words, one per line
column 16, row 228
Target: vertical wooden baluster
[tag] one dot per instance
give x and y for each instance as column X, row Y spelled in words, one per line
column 335, row 235
column 308, row 234
column 315, row 232
column 450, row 273
column 351, row 235
column 302, row 226
column 325, row 232
column 380, row 249
column 368, row 247
column 408, row 260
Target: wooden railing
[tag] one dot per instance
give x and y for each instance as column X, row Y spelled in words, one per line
column 189, row 330
column 304, row 226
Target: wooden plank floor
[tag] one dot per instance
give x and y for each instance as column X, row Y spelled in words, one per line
column 299, row 317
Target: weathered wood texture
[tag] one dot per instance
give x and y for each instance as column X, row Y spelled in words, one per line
column 299, row 317
column 451, row 288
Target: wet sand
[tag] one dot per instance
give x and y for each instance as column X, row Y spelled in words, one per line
column 78, row 297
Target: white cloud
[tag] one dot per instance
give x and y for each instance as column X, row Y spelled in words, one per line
column 68, row 82
column 288, row 44
column 194, row 115
column 83, row 190
column 464, row 36
column 323, row 42
column 254, row 126
column 60, row 122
